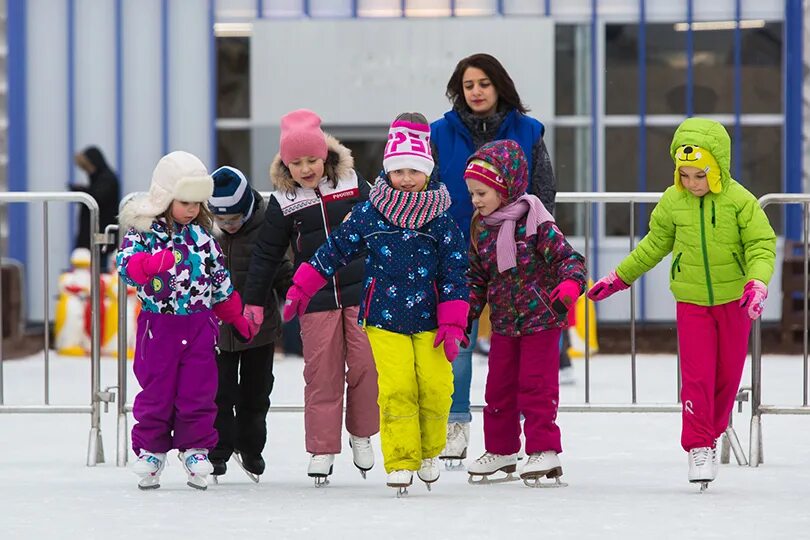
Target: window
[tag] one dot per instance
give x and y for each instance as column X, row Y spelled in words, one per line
column 572, row 168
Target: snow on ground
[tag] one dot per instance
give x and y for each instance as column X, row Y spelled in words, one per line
column 627, row 473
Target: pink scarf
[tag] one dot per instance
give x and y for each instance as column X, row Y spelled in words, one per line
column 506, row 217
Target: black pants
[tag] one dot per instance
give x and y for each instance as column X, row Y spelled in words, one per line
column 565, row 360
column 245, row 382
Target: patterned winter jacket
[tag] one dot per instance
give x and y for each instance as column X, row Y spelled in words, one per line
column 415, row 256
column 519, row 298
column 196, row 282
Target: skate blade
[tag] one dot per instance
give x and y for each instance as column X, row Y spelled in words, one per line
column 533, row 479
column 402, row 491
column 149, row 483
column 704, row 484
column 238, row 458
column 486, row 479
column 453, row 464
column 321, row 481
column 215, row 478
column 197, row 482
column 362, row 472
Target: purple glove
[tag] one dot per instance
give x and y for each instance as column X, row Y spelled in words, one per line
column 452, row 318
column 753, row 298
column 255, row 315
column 143, row 266
column 607, row 286
column 306, row 282
column 564, row 295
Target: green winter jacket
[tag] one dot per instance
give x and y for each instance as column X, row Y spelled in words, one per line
column 718, row 242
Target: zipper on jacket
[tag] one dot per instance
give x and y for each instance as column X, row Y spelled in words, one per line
column 326, row 228
column 228, row 263
column 739, row 263
column 713, row 220
column 368, row 300
column 676, row 264
column 705, row 254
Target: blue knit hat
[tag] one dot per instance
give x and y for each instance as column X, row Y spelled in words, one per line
column 232, row 193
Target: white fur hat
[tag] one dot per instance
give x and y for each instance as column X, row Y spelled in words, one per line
column 177, row 176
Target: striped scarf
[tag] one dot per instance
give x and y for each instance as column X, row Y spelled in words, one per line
column 408, row 210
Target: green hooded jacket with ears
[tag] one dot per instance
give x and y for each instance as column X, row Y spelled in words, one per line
column 718, row 242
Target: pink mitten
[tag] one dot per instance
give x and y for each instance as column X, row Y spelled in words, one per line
column 607, row 286
column 753, row 298
column 564, row 295
column 143, row 266
column 306, row 282
column 452, row 319
column 255, row 315
column 230, row 311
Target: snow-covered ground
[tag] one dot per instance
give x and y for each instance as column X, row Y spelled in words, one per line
column 627, row 474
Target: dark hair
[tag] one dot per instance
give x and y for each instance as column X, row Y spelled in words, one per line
column 413, row 117
column 507, row 94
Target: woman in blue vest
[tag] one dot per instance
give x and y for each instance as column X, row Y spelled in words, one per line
column 486, row 107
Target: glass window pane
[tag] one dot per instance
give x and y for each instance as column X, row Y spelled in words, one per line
column 572, row 69
column 233, row 77
column 233, row 149
column 621, row 69
column 761, row 53
column 572, row 165
column 761, row 166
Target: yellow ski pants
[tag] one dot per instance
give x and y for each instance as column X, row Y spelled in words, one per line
column 415, row 391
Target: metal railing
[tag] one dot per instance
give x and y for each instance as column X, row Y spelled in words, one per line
column 95, row 447
column 755, row 451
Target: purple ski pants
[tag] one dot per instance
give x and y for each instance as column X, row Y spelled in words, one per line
column 175, row 364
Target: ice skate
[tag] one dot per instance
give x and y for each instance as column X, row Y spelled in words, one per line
column 148, row 467
column 320, row 467
column 542, row 465
column 252, row 464
column 362, row 453
column 429, row 471
column 567, row 376
column 455, row 450
column 197, row 467
column 401, row 480
column 701, row 466
column 220, row 468
column 482, row 468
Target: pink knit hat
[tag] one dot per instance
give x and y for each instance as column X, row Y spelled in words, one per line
column 301, row 136
column 478, row 169
column 408, row 147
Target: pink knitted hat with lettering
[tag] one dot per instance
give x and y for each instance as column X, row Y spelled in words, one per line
column 408, row 147
column 301, row 136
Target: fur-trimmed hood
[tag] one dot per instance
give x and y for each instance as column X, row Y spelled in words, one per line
column 339, row 163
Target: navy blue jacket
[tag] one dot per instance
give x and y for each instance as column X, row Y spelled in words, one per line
column 408, row 271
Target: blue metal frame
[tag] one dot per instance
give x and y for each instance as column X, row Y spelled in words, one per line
column 642, row 135
column 119, row 88
column 354, row 9
column 164, row 76
column 792, row 136
column 690, row 52
column 71, row 110
column 548, row 8
column 212, row 77
column 17, row 17
column 260, row 9
column 736, row 142
column 305, row 7
column 500, row 7
column 594, row 135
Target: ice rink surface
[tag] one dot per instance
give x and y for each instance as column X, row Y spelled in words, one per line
column 626, row 473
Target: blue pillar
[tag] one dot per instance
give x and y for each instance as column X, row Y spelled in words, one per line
column 792, row 137
column 17, row 128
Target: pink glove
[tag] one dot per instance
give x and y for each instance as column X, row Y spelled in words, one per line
column 606, row 286
column 753, row 298
column 230, row 311
column 452, row 318
column 254, row 314
column 306, row 282
column 564, row 295
column 143, row 266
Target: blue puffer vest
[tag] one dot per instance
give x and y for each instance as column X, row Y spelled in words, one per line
column 454, row 144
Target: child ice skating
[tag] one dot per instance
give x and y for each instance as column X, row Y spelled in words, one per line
column 723, row 250
column 414, row 298
column 315, row 189
column 523, row 267
column 169, row 254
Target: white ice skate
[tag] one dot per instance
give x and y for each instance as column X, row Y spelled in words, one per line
column 320, row 467
column 401, row 480
column 455, row 450
column 429, row 471
column 715, row 461
column 362, row 453
column 542, row 464
column 197, row 467
column 701, row 466
column 482, row 468
column 148, row 467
